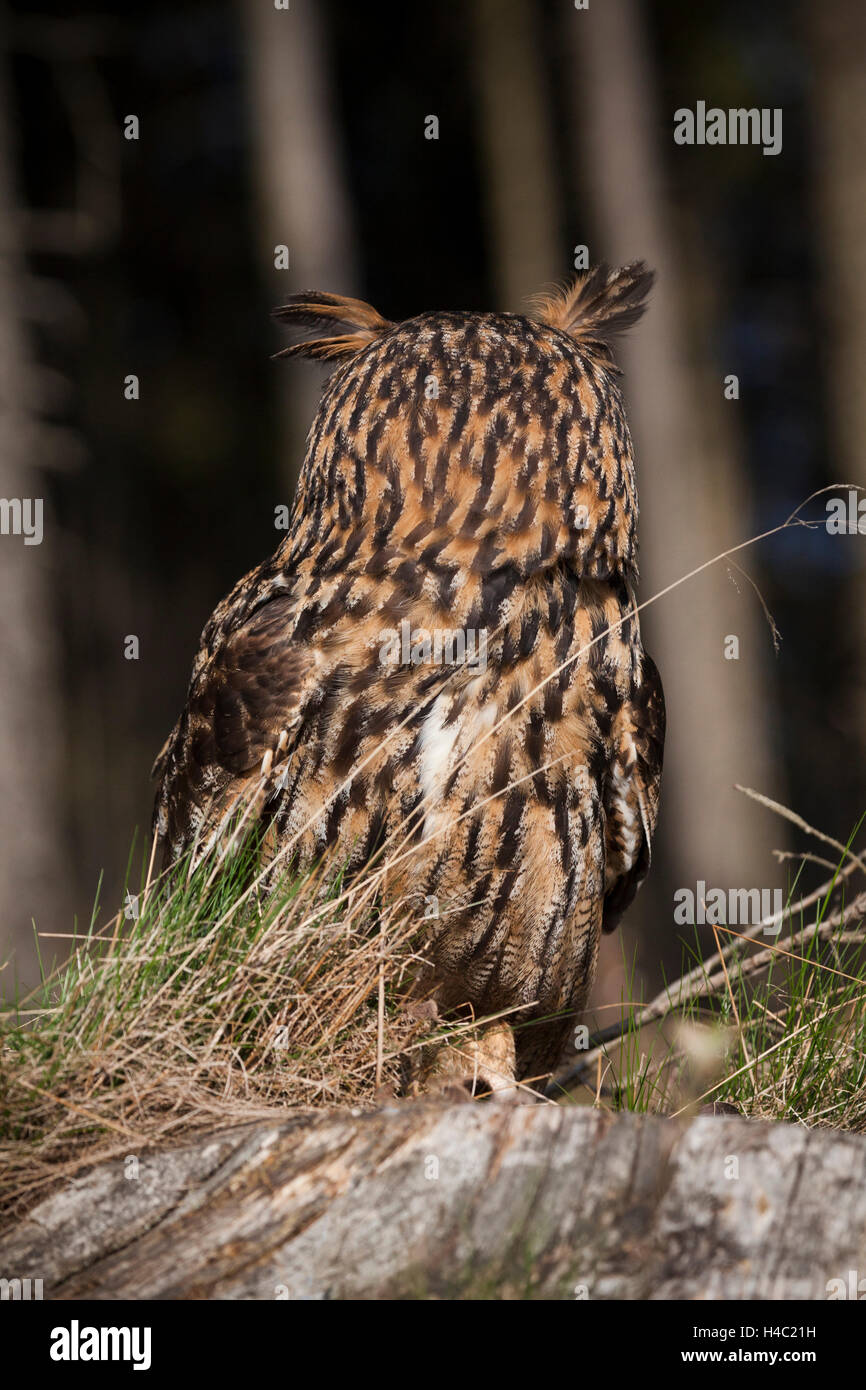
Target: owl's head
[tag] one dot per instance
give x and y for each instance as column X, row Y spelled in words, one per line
column 472, row 442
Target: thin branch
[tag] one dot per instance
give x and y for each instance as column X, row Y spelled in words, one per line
column 787, row 814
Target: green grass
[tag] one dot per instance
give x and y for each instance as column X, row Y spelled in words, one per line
column 778, row 1030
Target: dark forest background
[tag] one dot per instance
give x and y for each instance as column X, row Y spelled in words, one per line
column 304, row 127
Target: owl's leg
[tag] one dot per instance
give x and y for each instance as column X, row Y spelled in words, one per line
column 482, row 1065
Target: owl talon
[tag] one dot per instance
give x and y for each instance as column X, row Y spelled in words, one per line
column 482, row 1067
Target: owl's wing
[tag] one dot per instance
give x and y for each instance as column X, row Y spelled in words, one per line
column 242, row 717
column 632, row 793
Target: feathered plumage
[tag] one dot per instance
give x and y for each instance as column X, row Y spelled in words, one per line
column 360, row 324
column 600, row 305
column 466, row 473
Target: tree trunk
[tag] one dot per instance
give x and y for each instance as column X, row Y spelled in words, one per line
column 470, row 1201
column 33, row 883
column 518, row 164
column 300, row 186
column 694, row 499
column 838, row 32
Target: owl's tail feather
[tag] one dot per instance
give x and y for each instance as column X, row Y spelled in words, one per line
column 600, row 304
column 358, row 323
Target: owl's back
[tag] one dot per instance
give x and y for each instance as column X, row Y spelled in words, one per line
column 469, row 480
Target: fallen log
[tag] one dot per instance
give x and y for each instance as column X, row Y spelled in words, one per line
column 472, row 1201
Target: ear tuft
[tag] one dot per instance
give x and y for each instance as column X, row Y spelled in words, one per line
column 599, row 305
column 358, row 324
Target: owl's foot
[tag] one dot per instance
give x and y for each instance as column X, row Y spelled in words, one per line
column 481, row 1067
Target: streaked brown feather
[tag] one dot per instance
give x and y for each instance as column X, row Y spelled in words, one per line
column 506, row 501
column 600, row 304
column 360, row 322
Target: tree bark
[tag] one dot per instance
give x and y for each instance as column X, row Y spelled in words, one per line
column 471, row 1201
column 300, row 186
column 837, row 31
column 694, row 496
column 33, row 877
column 518, row 165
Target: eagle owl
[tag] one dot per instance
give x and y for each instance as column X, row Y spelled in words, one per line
column 444, row 647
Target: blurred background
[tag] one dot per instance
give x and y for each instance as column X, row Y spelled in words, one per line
column 147, row 248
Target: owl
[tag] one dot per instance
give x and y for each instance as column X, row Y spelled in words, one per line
column 444, row 655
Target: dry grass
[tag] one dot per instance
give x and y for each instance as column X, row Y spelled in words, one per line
column 216, row 1004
